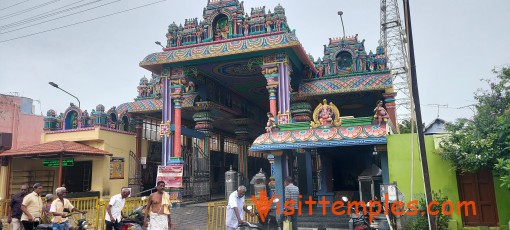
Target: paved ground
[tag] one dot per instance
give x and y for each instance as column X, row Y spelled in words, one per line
column 190, row 217
column 194, row 217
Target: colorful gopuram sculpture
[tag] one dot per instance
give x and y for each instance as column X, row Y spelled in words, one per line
column 226, row 20
column 75, row 118
column 347, row 55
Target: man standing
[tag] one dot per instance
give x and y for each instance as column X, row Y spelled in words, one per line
column 292, row 194
column 235, row 208
column 159, row 204
column 60, row 208
column 15, row 208
column 31, row 207
column 114, row 210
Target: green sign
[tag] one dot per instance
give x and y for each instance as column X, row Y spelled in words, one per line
column 56, row 163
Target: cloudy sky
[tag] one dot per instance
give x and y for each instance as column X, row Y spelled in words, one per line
column 457, row 42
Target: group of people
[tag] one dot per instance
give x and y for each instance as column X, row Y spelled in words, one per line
column 236, row 208
column 26, row 209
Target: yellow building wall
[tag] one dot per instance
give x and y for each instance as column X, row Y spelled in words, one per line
column 118, row 144
column 20, row 168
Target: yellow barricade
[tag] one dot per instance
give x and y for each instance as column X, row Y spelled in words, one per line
column 216, row 214
column 130, row 205
column 96, row 210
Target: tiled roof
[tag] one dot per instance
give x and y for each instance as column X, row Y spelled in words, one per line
column 66, row 147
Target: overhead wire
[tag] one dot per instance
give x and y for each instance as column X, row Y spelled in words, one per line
column 81, row 22
column 14, row 5
column 46, row 14
column 27, row 10
column 9, row 31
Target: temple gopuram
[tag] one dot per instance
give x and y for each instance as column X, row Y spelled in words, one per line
column 236, row 89
column 243, row 78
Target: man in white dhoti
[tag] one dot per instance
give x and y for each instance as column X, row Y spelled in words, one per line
column 159, row 205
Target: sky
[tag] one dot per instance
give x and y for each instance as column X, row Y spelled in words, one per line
column 457, row 43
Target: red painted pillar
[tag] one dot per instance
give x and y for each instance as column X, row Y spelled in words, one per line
column 235, row 23
column 177, row 125
column 270, row 72
column 272, row 101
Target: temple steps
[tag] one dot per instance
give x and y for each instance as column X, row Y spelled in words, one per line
column 322, row 222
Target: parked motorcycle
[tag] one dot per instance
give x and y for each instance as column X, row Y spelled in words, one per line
column 135, row 219
column 81, row 224
column 359, row 218
column 270, row 223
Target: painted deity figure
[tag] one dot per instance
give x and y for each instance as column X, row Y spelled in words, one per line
column 179, row 37
column 278, row 24
column 189, row 86
column 270, row 122
column 75, row 122
column 169, row 40
column 225, row 31
column 217, row 34
column 268, row 23
column 326, row 115
column 198, row 33
column 320, row 70
column 380, row 113
column 246, row 26
column 142, row 87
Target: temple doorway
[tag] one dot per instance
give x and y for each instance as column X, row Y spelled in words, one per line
column 78, row 178
column 342, row 167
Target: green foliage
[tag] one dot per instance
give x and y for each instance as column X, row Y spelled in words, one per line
column 405, row 127
column 419, row 222
column 477, row 143
column 503, row 169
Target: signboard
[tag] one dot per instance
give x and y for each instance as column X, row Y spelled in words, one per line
column 116, row 168
column 56, row 163
column 175, row 196
column 171, row 175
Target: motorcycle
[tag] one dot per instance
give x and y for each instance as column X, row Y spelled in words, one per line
column 359, row 218
column 270, row 223
column 81, row 224
column 135, row 220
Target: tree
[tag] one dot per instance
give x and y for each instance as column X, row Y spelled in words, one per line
column 405, row 127
column 483, row 142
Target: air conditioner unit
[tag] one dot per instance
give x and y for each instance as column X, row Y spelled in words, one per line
column 5, row 141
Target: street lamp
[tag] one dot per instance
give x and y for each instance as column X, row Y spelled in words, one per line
column 159, row 43
column 340, row 13
column 56, row 86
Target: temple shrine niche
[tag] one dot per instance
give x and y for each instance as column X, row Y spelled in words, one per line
column 343, row 56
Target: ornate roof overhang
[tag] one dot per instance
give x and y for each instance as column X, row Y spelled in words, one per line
column 356, row 83
column 147, row 105
column 154, row 105
column 236, row 46
column 317, row 138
